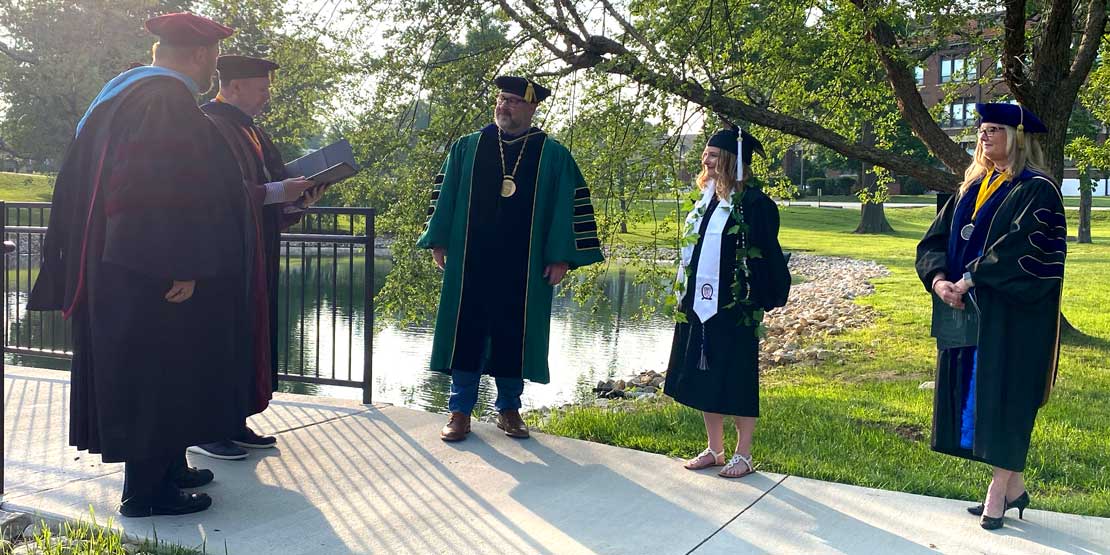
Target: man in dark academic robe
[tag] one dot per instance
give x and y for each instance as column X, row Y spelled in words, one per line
column 144, row 253
column 510, row 215
column 276, row 202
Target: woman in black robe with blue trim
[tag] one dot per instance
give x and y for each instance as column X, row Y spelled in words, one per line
column 732, row 271
column 994, row 261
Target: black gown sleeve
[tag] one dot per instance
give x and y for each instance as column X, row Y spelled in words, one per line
column 932, row 250
column 770, row 275
column 1027, row 263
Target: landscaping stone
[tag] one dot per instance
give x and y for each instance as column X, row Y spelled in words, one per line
column 13, row 524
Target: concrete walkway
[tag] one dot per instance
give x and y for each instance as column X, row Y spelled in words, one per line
column 353, row 479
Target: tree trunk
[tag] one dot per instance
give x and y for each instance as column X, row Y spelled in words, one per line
column 873, row 219
column 872, row 215
column 1086, row 186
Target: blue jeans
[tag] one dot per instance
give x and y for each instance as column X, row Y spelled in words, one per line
column 464, row 392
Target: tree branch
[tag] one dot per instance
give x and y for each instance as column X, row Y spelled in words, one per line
column 1051, row 63
column 1013, row 48
column 910, row 104
column 574, row 15
column 1088, row 49
column 531, row 30
column 624, row 63
column 18, row 55
column 632, row 32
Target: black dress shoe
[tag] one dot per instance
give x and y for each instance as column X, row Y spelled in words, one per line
column 193, row 478
column 180, row 504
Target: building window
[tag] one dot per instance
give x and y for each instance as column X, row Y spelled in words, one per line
column 953, row 68
column 919, row 74
column 960, row 114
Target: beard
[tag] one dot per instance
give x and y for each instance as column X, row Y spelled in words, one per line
column 505, row 121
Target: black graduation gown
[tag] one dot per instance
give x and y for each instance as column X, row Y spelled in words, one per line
column 260, row 164
column 148, row 194
column 1018, row 282
column 731, row 383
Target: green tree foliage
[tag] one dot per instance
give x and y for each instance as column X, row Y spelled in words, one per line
column 313, row 59
column 55, row 55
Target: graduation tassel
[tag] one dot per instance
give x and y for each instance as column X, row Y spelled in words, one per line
column 703, row 362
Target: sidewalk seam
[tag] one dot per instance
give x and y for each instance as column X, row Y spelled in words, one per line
column 733, row 519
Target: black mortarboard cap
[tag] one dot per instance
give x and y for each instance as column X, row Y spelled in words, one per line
column 233, row 67
column 726, row 139
column 1013, row 115
column 527, row 89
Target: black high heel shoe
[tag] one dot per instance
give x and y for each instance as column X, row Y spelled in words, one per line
column 991, row 523
column 1020, row 504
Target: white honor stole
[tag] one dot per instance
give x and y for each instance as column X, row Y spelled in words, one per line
column 708, row 273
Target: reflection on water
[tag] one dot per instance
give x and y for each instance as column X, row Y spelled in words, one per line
column 324, row 303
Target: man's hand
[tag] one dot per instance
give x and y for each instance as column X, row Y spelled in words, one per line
column 439, row 255
column 948, row 293
column 312, row 196
column 296, row 186
column 181, row 291
column 555, row 272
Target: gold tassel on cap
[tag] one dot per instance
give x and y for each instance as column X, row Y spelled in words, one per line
column 1021, row 127
column 529, row 93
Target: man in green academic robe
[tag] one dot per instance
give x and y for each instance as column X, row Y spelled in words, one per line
column 510, row 215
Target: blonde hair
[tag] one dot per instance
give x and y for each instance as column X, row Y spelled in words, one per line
column 1024, row 152
column 725, row 179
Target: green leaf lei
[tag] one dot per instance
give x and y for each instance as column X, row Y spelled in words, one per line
column 749, row 314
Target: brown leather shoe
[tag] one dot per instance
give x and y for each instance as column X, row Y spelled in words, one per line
column 512, row 424
column 457, row 427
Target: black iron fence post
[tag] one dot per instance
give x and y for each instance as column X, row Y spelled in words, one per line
column 8, row 247
column 368, row 311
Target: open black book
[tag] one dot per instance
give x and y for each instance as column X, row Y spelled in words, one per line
column 326, row 166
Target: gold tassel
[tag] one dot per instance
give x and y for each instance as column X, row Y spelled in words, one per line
column 529, row 93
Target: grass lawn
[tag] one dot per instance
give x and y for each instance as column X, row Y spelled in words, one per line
column 1097, row 200
column 864, row 421
column 25, row 187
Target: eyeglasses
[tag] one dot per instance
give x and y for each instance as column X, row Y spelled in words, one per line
column 990, row 130
column 511, row 101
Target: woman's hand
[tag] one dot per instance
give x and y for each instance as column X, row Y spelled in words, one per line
column 181, row 291
column 949, row 293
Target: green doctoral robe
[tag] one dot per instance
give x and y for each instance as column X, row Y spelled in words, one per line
column 495, row 305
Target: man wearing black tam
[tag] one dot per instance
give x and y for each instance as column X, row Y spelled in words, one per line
column 277, row 202
column 510, row 215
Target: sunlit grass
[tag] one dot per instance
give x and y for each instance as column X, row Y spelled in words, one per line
column 22, row 187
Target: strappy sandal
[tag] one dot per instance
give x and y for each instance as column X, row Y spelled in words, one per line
column 705, row 459
column 735, row 462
